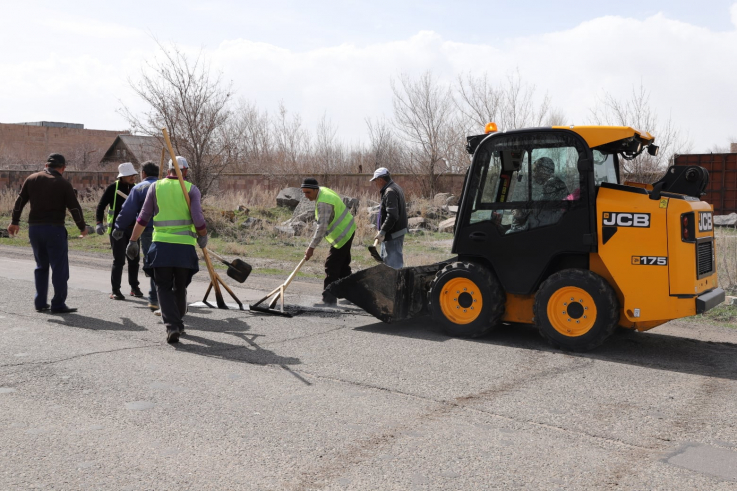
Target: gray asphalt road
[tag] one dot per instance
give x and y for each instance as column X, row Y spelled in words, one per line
column 98, row 400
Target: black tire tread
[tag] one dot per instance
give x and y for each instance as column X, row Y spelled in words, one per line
column 491, row 317
column 607, row 312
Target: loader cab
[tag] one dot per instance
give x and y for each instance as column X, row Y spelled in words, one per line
column 528, row 206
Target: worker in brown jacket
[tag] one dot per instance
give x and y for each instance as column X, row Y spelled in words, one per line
column 50, row 196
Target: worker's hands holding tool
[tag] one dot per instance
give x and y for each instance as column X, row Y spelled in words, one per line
column 308, row 253
column 133, row 250
column 117, row 234
column 13, row 230
column 380, row 237
column 202, row 241
column 83, row 233
column 100, row 228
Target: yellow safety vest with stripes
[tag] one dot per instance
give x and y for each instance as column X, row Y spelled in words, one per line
column 173, row 223
column 342, row 227
column 110, row 220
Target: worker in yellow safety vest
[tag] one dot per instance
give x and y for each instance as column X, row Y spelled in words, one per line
column 172, row 258
column 334, row 223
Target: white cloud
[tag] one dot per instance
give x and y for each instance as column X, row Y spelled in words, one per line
column 688, row 70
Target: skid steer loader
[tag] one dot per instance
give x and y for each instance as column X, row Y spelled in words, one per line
column 547, row 234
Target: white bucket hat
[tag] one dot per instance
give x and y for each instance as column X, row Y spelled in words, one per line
column 126, row 169
column 181, row 161
column 380, row 172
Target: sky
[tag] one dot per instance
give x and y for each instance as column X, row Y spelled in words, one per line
column 74, row 61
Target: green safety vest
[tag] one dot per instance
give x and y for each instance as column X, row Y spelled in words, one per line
column 173, row 223
column 110, row 220
column 342, row 227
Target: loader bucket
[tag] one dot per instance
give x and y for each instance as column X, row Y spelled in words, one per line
column 388, row 294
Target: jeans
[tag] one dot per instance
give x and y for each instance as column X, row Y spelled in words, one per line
column 119, row 260
column 146, row 238
column 391, row 251
column 50, row 248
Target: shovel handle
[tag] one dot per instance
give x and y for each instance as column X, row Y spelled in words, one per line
column 376, row 243
column 291, row 276
column 218, row 256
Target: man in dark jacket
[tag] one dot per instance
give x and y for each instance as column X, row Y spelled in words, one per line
column 113, row 198
column 127, row 218
column 391, row 224
column 50, row 196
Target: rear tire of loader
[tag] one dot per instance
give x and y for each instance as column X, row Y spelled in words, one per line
column 467, row 299
column 576, row 310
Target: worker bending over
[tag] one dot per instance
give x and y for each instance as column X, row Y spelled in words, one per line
column 172, row 259
column 113, row 199
column 391, row 223
column 335, row 223
column 127, row 218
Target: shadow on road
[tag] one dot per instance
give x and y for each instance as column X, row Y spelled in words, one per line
column 94, row 324
column 245, row 350
column 643, row 349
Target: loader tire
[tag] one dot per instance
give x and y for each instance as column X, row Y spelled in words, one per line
column 576, row 310
column 467, row 299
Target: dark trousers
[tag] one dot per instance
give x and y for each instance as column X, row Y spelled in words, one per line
column 146, row 238
column 119, row 259
column 50, row 248
column 171, row 286
column 337, row 266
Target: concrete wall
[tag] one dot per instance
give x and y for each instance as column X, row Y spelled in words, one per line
column 355, row 184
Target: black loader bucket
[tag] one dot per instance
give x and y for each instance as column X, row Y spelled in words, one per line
column 389, row 294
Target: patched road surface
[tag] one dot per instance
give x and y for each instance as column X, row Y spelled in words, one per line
column 98, row 400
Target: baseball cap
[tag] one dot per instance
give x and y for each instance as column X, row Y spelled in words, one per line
column 380, row 172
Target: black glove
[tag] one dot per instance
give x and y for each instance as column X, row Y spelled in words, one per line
column 202, row 241
column 133, row 250
column 117, row 234
column 100, row 228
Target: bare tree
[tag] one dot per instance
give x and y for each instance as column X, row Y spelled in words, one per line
column 194, row 105
column 327, row 152
column 255, row 142
column 384, row 150
column 729, row 147
column 637, row 113
column 424, row 115
column 291, row 141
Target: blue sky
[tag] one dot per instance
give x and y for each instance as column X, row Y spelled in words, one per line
column 73, row 62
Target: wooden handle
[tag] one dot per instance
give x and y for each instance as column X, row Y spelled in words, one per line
column 121, row 193
column 176, row 166
column 376, row 243
column 291, row 276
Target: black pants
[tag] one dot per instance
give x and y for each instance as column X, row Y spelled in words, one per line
column 171, row 287
column 337, row 266
column 119, row 259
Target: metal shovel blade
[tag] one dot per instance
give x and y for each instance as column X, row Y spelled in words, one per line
column 374, row 253
column 239, row 270
column 388, row 294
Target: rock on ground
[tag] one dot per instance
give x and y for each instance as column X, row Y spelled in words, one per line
column 289, row 197
column 447, row 225
column 726, row 220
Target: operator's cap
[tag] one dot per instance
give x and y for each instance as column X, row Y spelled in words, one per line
column 126, row 169
column 57, row 159
column 310, row 183
column 380, row 172
column 181, row 161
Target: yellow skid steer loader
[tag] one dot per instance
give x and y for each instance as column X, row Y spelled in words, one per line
column 547, row 234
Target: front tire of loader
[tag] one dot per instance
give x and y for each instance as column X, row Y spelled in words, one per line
column 576, row 310
column 467, row 299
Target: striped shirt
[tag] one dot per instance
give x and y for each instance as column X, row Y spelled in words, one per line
column 325, row 215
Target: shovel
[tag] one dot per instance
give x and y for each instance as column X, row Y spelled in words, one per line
column 238, row 269
column 374, row 253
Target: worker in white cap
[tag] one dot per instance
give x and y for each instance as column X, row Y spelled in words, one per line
column 113, row 199
column 391, row 223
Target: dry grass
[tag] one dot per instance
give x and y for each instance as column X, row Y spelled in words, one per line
column 726, row 245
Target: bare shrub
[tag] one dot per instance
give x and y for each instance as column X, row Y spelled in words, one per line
column 726, row 249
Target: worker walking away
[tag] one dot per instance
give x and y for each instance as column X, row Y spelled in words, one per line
column 50, row 196
column 334, row 223
column 127, row 217
column 391, row 224
column 172, row 258
column 113, row 199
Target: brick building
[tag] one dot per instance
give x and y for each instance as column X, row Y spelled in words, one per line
column 26, row 145
column 132, row 148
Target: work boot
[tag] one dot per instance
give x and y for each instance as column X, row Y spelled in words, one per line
column 157, row 312
column 136, row 292
column 172, row 336
column 116, row 295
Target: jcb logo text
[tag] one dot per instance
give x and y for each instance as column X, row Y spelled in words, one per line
column 616, row 219
column 705, row 222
